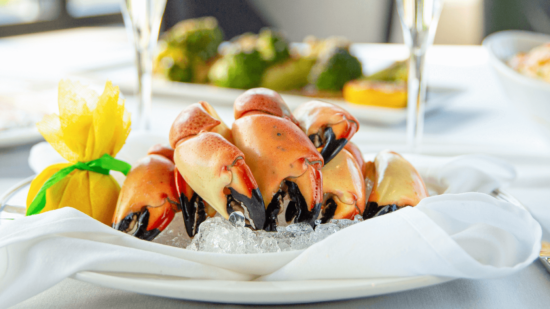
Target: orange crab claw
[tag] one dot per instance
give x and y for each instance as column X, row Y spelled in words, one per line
column 358, row 155
column 285, row 164
column 148, row 199
column 328, row 126
column 262, row 100
column 343, row 188
column 212, row 170
column 396, row 184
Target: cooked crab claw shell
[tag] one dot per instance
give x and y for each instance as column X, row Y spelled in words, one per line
column 262, row 100
column 148, row 199
column 328, row 126
column 396, row 184
column 358, row 155
column 285, row 165
column 343, row 188
column 215, row 170
column 162, row 150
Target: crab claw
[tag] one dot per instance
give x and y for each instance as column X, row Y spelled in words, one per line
column 343, row 188
column 358, row 155
column 327, row 126
column 262, row 100
column 285, row 164
column 214, row 170
column 148, row 199
column 396, row 184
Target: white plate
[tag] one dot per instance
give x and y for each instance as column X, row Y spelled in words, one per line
column 437, row 97
column 251, row 292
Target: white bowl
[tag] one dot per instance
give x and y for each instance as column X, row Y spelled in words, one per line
column 527, row 93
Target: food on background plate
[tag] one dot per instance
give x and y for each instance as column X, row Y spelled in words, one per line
column 188, row 50
column 88, row 132
column 252, row 60
column 535, row 63
column 240, row 66
column 386, row 88
column 272, row 169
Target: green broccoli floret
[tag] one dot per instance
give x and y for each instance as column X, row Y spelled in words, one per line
column 334, row 69
column 241, row 65
column 272, row 46
column 289, row 75
column 199, row 37
column 174, row 64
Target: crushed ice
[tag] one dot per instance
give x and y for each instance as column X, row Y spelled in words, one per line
column 231, row 236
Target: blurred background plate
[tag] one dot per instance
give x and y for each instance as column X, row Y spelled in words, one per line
column 437, row 96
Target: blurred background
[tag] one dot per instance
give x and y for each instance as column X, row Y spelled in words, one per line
column 370, row 21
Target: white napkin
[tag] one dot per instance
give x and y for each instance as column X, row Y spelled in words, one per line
column 469, row 235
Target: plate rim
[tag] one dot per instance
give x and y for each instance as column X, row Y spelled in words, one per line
column 236, row 292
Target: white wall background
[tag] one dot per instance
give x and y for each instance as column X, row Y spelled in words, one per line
column 358, row 20
column 365, row 20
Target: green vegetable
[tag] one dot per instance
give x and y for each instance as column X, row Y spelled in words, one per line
column 289, row 75
column 334, row 69
column 272, row 46
column 174, row 64
column 200, row 37
column 238, row 70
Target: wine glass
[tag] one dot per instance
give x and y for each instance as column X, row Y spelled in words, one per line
column 142, row 19
column 419, row 22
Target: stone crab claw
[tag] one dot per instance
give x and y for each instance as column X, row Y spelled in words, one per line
column 344, row 193
column 396, row 184
column 264, row 101
column 328, row 126
column 358, row 155
column 148, row 199
column 211, row 170
column 285, row 164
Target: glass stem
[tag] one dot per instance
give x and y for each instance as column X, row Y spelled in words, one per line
column 143, row 64
column 416, row 97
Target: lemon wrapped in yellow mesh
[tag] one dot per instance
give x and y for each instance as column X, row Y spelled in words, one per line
column 88, row 132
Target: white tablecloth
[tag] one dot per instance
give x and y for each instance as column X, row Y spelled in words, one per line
column 479, row 121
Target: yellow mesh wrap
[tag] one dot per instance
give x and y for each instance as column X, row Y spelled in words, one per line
column 87, row 127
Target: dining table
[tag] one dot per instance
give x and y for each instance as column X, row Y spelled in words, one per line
column 480, row 119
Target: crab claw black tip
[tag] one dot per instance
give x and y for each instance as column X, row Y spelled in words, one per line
column 253, row 208
column 135, row 224
column 332, row 145
column 193, row 212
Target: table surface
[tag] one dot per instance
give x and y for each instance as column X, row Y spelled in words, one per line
column 481, row 120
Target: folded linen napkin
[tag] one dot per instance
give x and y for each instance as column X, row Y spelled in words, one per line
column 469, row 235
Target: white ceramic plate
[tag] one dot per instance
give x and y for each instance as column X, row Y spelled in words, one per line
column 437, row 97
column 527, row 93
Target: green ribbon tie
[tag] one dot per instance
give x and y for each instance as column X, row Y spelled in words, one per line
column 102, row 165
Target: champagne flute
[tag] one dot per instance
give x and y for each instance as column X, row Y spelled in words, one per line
column 419, row 22
column 142, row 19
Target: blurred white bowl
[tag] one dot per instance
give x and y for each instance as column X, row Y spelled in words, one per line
column 528, row 93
